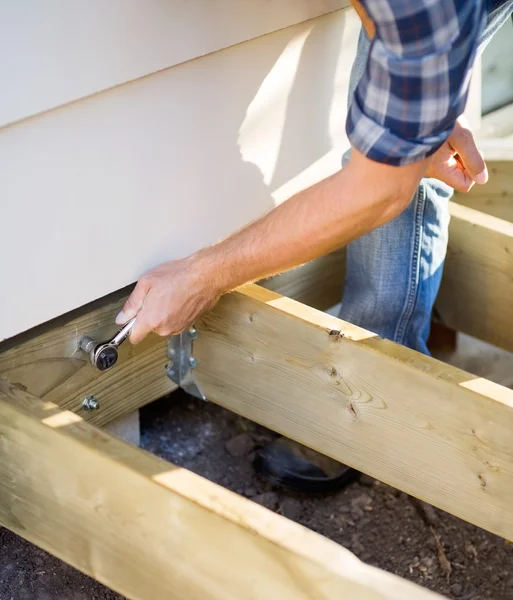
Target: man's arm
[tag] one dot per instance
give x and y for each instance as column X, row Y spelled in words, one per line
column 403, row 112
column 324, row 217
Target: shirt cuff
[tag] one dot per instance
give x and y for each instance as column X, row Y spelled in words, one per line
column 381, row 145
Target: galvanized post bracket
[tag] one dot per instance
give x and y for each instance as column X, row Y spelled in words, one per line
column 182, row 362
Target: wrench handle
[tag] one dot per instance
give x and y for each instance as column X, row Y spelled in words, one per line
column 123, row 333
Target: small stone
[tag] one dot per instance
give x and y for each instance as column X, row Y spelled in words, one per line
column 291, row 509
column 431, row 513
column 267, row 500
column 367, row 480
column 361, row 501
column 456, row 590
column 356, row 545
column 357, row 513
column 240, row 445
column 250, row 492
column 509, row 584
column 495, row 579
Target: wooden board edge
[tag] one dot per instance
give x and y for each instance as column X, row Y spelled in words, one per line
column 147, row 528
column 49, row 365
column 429, row 429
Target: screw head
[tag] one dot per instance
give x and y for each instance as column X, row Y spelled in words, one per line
column 90, row 403
column 193, row 332
column 193, row 362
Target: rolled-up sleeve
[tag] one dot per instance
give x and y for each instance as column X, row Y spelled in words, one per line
column 416, row 81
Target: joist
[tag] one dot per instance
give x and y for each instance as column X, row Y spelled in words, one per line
column 318, row 283
column 149, row 529
column 475, row 296
column 47, row 362
column 50, row 365
column 429, row 429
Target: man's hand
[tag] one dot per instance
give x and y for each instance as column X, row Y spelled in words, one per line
column 458, row 162
column 169, row 298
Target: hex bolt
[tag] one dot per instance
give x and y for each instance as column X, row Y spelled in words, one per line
column 193, row 332
column 90, row 403
column 193, row 362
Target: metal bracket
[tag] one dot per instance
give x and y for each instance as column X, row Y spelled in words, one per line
column 182, row 362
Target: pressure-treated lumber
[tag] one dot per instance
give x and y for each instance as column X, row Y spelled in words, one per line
column 149, row 529
column 477, row 286
column 318, row 283
column 429, row 429
column 496, row 196
column 50, row 366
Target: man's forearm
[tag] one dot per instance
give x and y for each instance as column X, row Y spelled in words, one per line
column 312, row 223
column 362, row 196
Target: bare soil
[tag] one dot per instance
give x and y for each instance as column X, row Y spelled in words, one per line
column 382, row 526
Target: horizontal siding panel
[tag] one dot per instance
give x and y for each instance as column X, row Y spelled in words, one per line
column 97, row 191
column 58, row 51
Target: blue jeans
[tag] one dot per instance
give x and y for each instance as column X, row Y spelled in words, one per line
column 394, row 272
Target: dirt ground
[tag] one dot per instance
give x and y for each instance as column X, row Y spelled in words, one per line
column 382, row 526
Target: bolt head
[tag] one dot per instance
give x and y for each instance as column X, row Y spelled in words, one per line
column 105, row 358
column 193, row 362
column 90, row 403
column 193, row 332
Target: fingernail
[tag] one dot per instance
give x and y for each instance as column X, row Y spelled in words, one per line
column 482, row 177
column 122, row 318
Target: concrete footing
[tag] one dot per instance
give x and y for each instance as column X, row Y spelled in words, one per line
column 127, row 428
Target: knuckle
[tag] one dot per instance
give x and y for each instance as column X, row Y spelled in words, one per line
column 164, row 331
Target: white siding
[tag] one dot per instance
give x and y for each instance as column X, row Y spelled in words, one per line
column 57, row 51
column 97, row 191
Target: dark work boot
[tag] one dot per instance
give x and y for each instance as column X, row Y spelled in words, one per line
column 290, row 465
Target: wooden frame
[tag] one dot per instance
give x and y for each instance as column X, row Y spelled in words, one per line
column 149, row 529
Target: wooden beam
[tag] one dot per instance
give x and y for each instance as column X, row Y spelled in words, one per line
column 495, row 197
column 425, row 427
column 50, row 366
column 477, row 286
column 149, row 529
column 318, row 283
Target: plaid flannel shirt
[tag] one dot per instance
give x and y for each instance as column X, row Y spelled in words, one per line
column 417, row 77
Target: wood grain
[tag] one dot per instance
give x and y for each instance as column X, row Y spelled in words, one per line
column 51, row 367
column 149, row 529
column 477, row 286
column 429, row 429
